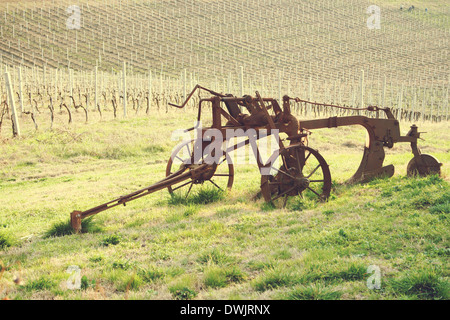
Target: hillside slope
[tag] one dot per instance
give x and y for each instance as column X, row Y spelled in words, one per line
column 159, row 247
column 325, row 40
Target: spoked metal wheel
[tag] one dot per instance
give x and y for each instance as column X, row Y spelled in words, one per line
column 220, row 175
column 295, row 170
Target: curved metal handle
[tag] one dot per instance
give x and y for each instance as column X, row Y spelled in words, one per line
column 192, row 93
column 186, row 101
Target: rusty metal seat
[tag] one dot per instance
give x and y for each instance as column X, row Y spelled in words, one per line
column 232, row 108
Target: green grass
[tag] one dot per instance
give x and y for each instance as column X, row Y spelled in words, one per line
column 274, row 278
column 214, row 256
column 203, row 196
column 129, row 283
column 219, row 277
column 315, row 291
column 111, row 240
column 86, row 283
column 6, row 240
column 39, row 284
column 64, row 228
column 183, row 288
column 214, row 245
column 152, row 274
column 422, row 284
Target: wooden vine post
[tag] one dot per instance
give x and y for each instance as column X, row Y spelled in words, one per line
column 362, row 90
column 96, row 87
column 16, row 127
column 21, row 89
column 124, row 89
column 149, row 88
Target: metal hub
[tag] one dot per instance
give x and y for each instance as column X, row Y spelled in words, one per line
column 204, row 175
column 302, row 182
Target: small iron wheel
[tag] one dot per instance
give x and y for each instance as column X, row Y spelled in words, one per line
column 424, row 165
column 220, row 175
column 299, row 169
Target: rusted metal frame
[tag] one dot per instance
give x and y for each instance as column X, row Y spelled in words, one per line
column 266, row 113
column 269, row 119
column 229, row 117
column 241, row 144
column 387, row 111
column 174, row 178
column 298, row 160
column 286, row 105
column 199, row 115
column 217, row 124
column 380, row 126
column 245, row 99
column 267, row 130
column 216, row 94
column 383, row 129
column 271, row 126
column 380, row 133
column 246, row 142
column 124, row 199
column 414, row 135
column 192, row 93
column 225, row 114
column 216, row 114
column 255, row 149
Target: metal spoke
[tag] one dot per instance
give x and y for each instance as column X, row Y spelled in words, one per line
column 307, row 156
column 190, row 187
column 285, row 201
column 298, row 160
column 284, row 162
column 316, row 180
column 215, row 184
column 285, row 173
column 224, row 158
column 283, row 193
column 182, row 185
column 189, row 149
column 222, row 175
column 179, row 159
column 314, row 171
column 313, row 191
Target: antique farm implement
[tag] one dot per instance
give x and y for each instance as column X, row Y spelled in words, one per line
column 292, row 169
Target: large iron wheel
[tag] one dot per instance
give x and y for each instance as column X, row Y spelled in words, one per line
column 424, row 165
column 293, row 171
column 220, row 174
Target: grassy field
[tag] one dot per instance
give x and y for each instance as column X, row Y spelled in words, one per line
column 160, row 247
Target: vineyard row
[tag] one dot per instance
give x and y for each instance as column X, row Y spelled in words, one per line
column 42, row 95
